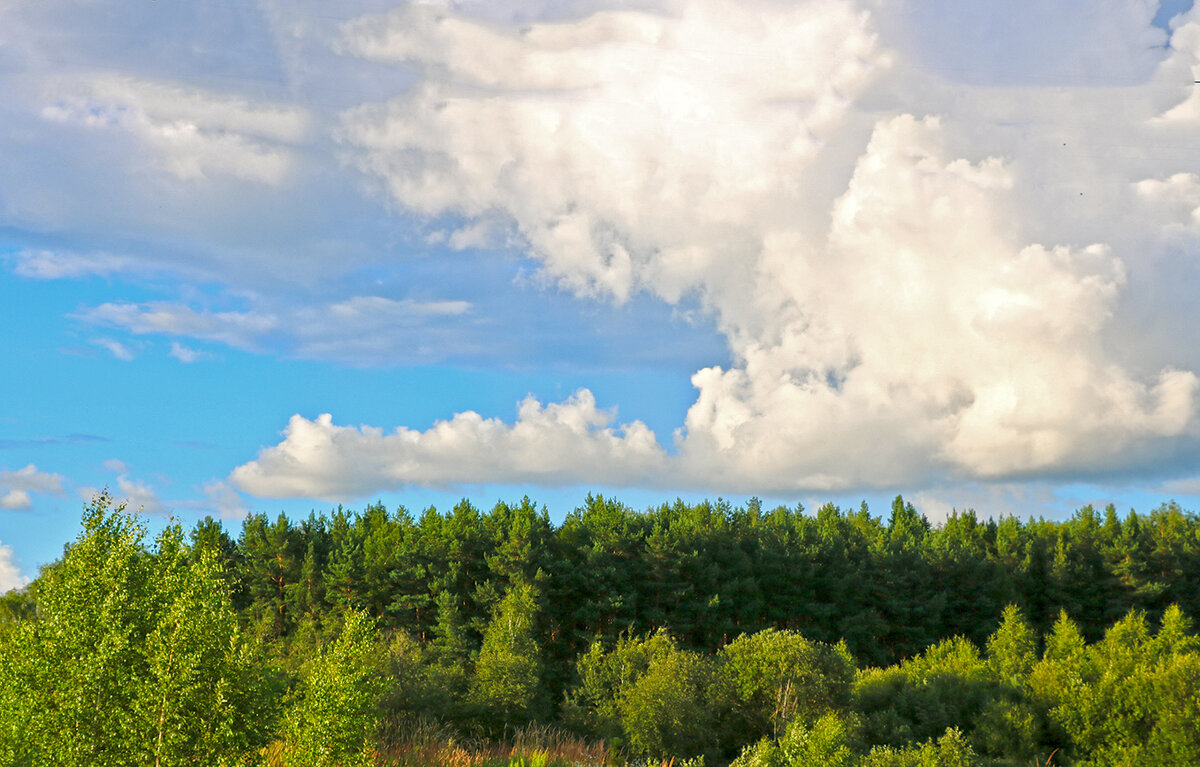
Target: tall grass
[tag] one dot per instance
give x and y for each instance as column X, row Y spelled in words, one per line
column 430, row 743
column 425, row 743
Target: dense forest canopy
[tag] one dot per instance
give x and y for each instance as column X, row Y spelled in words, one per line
column 688, row 631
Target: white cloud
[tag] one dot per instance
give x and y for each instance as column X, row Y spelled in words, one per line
column 16, row 486
column 57, row 265
column 619, row 142
column 1184, row 65
column 906, row 298
column 1176, row 198
column 116, row 466
column 10, row 574
column 225, row 500
column 925, row 324
column 193, row 133
column 186, row 354
column 16, row 499
column 115, row 348
column 558, row 444
column 926, row 269
column 135, row 494
column 360, row 330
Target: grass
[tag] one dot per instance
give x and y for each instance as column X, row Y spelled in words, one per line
column 429, row 743
column 426, row 743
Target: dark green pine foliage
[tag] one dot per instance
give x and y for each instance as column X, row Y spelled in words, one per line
column 382, row 541
column 709, row 572
column 968, row 570
column 595, row 571
column 271, row 555
column 458, row 547
column 890, row 588
column 345, row 587
column 908, row 599
column 411, row 605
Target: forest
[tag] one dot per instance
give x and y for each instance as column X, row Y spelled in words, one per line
column 687, row 634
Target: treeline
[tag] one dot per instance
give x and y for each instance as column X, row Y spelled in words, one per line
column 702, row 631
column 708, row 572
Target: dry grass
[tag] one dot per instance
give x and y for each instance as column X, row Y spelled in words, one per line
column 429, row 743
column 426, row 743
column 1048, row 760
column 272, row 755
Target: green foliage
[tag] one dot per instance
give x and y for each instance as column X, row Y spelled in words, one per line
column 1012, row 650
column 1131, row 698
column 825, row 741
column 687, row 630
column 947, row 686
column 593, row 706
column 950, row 750
column 777, row 676
column 507, row 684
column 648, row 695
column 667, row 710
column 335, row 717
column 134, row 658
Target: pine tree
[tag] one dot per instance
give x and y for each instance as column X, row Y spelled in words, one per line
column 1012, row 650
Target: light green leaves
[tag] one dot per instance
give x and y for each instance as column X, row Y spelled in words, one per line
column 135, row 657
column 335, row 717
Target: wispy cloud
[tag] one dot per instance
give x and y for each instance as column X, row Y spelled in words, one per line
column 212, row 497
column 137, row 495
column 69, row 439
column 1185, row 486
column 186, row 354
column 193, row 133
column 368, row 330
column 57, row 265
column 224, row 500
column 241, row 330
column 115, row 348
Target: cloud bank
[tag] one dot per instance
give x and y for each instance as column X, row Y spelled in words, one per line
column 565, row 443
column 922, row 273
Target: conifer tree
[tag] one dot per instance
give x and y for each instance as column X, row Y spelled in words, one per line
column 1012, row 650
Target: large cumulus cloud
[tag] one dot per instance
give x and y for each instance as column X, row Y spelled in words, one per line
column 921, row 274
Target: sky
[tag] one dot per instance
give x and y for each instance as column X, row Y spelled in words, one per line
column 260, row 256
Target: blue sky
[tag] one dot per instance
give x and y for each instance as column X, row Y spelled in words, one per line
column 804, row 251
